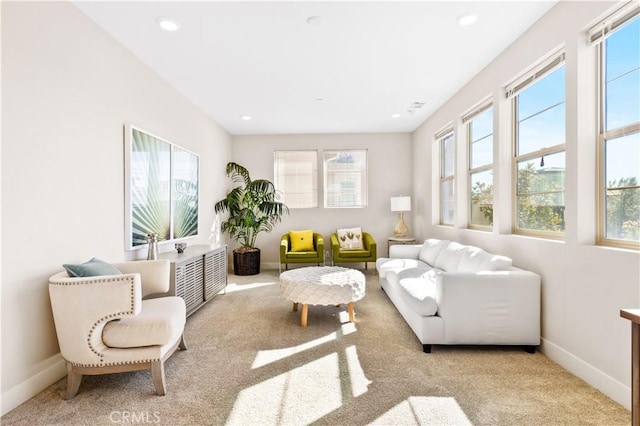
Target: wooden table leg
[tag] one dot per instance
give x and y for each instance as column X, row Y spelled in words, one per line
column 352, row 317
column 295, row 306
column 635, row 374
column 633, row 315
column 303, row 316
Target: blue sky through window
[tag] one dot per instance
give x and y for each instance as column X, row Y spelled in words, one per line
column 541, row 113
column 622, row 100
column 622, row 72
column 481, row 134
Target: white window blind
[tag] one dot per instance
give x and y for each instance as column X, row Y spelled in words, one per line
column 296, row 177
column 527, row 79
column 345, row 179
column 474, row 112
column 617, row 19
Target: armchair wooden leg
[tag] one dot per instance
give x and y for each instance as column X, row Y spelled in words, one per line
column 157, row 374
column 182, row 345
column 73, row 381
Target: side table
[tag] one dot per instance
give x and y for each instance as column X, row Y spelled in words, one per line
column 633, row 315
column 399, row 240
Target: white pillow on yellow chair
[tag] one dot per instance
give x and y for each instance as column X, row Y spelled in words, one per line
column 350, row 238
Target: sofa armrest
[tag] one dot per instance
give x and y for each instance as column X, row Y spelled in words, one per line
column 335, row 244
column 503, row 303
column 405, row 251
column 319, row 240
column 369, row 244
column 284, row 245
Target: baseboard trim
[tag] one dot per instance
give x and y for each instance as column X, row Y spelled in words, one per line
column 51, row 370
column 611, row 387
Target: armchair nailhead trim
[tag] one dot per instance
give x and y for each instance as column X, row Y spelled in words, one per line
column 102, row 364
column 105, row 318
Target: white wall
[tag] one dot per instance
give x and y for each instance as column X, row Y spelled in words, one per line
column 583, row 286
column 68, row 88
column 389, row 160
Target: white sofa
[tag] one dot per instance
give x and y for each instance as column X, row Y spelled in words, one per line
column 453, row 294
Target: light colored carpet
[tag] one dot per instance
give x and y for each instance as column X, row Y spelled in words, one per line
column 250, row 363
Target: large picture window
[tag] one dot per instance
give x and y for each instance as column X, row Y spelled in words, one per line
column 538, row 105
column 479, row 127
column 296, row 178
column 618, row 40
column 447, row 170
column 345, row 178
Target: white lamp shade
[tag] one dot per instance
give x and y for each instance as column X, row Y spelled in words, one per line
column 401, row 204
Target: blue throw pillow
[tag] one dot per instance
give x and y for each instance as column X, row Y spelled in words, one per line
column 93, row 268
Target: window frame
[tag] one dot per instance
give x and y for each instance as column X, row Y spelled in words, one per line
column 598, row 36
column 543, row 69
column 314, row 176
column 440, row 137
column 467, row 120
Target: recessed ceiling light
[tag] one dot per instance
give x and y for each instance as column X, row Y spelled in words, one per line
column 168, row 24
column 467, row 19
column 395, row 115
column 319, row 99
column 245, row 117
column 315, row 20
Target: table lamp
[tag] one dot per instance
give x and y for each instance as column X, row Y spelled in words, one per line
column 401, row 204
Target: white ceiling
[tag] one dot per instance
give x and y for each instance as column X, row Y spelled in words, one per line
column 364, row 62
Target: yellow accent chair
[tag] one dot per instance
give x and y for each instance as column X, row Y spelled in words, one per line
column 301, row 247
column 367, row 253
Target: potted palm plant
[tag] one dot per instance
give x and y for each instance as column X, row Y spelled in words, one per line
column 253, row 208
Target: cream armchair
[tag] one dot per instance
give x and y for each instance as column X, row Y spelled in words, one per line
column 105, row 324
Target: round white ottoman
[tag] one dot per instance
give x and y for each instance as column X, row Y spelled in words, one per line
column 322, row 285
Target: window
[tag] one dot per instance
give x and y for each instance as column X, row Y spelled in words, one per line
column 447, row 169
column 345, row 178
column 296, row 177
column 538, row 105
column 479, row 126
column 618, row 40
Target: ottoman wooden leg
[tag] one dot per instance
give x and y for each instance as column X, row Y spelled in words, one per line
column 295, row 306
column 351, row 312
column 303, row 316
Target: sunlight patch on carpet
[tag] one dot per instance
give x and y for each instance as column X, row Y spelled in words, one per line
column 300, row 396
column 425, row 410
column 359, row 382
column 232, row 287
column 272, row 355
column 267, row 357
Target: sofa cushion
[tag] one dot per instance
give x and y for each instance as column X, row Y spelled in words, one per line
column 350, row 239
column 419, row 290
column 426, row 273
column 431, row 249
column 475, row 259
column 157, row 324
column 450, row 256
column 385, row 265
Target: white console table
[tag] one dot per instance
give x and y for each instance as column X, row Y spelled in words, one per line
column 197, row 274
